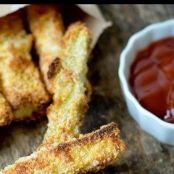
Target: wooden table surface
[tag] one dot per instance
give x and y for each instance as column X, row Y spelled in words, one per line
column 143, row 154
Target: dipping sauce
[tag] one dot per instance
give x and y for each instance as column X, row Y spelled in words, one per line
column 152, row 78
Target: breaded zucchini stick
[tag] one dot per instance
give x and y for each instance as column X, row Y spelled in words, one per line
column 64, row 71
column 90, row 153
column 6, row 114
column 71, row 87
column 47, row 28
column 20, row 79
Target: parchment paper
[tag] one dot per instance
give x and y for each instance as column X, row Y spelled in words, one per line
column 93, row 19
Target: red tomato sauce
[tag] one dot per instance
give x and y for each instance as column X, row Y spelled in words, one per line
column 152, row 78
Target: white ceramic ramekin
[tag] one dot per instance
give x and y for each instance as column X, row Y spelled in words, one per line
column 162, row 131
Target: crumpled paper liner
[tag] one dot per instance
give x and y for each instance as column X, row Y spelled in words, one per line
column 93, row 17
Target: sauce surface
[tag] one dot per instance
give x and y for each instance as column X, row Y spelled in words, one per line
column 152, row 78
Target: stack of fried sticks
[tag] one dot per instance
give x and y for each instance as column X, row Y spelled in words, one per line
column 22, row 93
column 63, row 65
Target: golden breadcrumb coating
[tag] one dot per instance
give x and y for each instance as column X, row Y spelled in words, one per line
column 20, row 79
column 71, row 87
column 62, row 151
column 6, row 114
column 47, row 28
column 92, row 152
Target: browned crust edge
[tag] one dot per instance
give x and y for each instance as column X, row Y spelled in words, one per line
column 54, row 67
column 108, row 130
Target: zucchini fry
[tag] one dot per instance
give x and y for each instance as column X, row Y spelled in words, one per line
column 21, row 81
column 6, row 114
column 47, row 28
column 71, row 87
column 90, row 153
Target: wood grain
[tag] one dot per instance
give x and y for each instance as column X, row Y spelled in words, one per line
column 144, row 154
